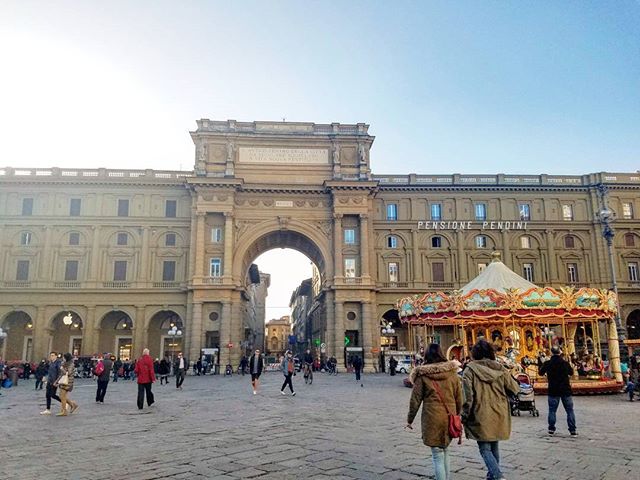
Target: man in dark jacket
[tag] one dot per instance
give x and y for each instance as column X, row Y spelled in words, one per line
column 52, row 376
column 180, row 367
column 256, row 364
column 103, row 377
column 558, row 372
column 117, row 365
column 357, row 366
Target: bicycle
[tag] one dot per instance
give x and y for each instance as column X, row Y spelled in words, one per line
column 308, row 373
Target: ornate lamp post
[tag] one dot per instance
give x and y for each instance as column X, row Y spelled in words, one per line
column 387, row 329
column 616, row 332
column 174, row 333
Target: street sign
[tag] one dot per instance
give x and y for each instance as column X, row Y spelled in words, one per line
column 317, row 342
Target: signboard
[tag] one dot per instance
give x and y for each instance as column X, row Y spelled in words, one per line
column 346, row 341
column 284, row 156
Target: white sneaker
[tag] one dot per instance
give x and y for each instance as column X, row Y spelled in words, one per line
column 255, row 393
column 293, row 394
column 45, row 412
column 282, row 392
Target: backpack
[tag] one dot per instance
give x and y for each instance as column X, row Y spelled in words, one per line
column 99, row 369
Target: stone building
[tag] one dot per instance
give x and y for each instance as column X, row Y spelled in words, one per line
column 300, row 305
column 99, row 259
column 277, row 331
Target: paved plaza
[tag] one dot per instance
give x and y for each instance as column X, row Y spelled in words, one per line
column 335, row 429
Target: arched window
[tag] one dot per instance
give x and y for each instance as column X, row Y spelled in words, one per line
column 436, row 241
column 481, row 241
column 392, row 241
column 569, row 241
column 629, row 240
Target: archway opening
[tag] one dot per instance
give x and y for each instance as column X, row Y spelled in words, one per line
column 18, row 343
column 633, row 325
column 67, row 329
column 116, row 334
column 166, row 334
column 393, row 335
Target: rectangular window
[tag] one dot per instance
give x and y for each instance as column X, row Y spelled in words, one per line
column 392, row 211
column 481, row 241
column 74, row 238
column 25, row 238
column 170, row 208
column 392, row 241
column 215, row 267
column 627, row 210
column 436, row 211
column 123, row 207
column 481, row 267
column 525, row 242
column 572, row 272
column 629, row 240
column 437, row 271
column 633, row 271
column 22, row 272
column 74, row 207
column 525, row 212
column 27, row 207
column 567, row 212
column 170, row 240
column 216, row 235
column 122, row 238
column 527, row 271
column 436, row 242
column 120, row 271
column 393, row 272
column 349, row 236
column 71, row 270
column 168, row 271
column 481, row 211
column 350, row 267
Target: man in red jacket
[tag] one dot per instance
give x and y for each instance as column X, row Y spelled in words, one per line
column 146, row 377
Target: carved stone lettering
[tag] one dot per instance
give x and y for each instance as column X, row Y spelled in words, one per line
column 283, row 155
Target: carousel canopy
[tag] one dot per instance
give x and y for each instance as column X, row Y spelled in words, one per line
column 500, row 293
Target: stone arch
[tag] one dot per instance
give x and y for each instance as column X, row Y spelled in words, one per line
column 18, row 325
column 134, row 241
column 381, row 241
column 578, row 242
column 492, row 243
column 67, row 338
column 536, row 240
column 116, row 334
column 157, row 239
column 633, row 325
column 35, row 237
column 296, row 235
column 159, row 342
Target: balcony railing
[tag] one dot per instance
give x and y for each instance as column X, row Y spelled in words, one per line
column 352, row 280
column 212, row 280
column 17, row 284
column 116, row 284
column 395, row 284
column 441, row 285
column 66, row 284
column 166, row 284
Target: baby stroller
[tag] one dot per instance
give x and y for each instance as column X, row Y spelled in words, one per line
column 525, row 400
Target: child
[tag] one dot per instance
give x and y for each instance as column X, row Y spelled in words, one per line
column 630, row 390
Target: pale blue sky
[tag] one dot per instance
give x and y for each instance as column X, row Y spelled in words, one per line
column 447, row 86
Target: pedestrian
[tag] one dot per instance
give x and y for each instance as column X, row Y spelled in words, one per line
column 243, row 364
column 256, row 364
column 117, row 365
column 41, row 372
column 132, row 370
column 180, row 368
column 199, row 367
column 53, row 372
column 65, row 382
column 103, row 373
column 558, row 372
column 164, row 370
column 288, row 370
column 486, row 413
column 436, row 385
column 357, row 366
column 393, row 363
column 146, row 377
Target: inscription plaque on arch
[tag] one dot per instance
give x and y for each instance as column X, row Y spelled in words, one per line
column 295, row 156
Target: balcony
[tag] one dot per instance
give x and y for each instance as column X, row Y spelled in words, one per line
column 212, row 280
column 116, row 284
column 66, row 284
column 166, row 284
column 17, row 284
column 441, row 285
column 395, row 284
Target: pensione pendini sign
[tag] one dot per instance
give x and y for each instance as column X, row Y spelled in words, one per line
column 471, row 225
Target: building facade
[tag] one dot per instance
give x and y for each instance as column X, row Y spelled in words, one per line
column 277, row 332
column 107, row 260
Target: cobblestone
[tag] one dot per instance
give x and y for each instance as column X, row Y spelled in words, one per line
column 334, row 429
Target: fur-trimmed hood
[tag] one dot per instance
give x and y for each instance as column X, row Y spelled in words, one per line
column 435, row 371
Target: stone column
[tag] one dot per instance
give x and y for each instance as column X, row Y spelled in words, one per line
column 462, row 261
column 225, row 333
column 45, row 259
column 415, row 253
column 364, row 247
column 339, row 333
column 195, row 331
column 337, row 245
column 614, row 350
column 200, row 225
column 367, row 325
column 140, row 334
column 228, row 246
column 237, row 331
column 553, row 273
column 506, row 258
column 90, row 332
column 143, row 273
column 94, row 271
column 40, row 336
column 330, row 327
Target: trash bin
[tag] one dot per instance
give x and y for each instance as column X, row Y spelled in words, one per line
column 13, row 376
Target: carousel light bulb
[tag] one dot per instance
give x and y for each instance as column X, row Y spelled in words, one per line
column 179, row 332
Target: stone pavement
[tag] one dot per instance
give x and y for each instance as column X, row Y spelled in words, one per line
column 215, row 428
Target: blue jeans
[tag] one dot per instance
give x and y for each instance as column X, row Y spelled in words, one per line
column 491, row 456
column 440, row 458
column 567, row 403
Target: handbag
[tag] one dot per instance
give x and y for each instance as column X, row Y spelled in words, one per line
column 455, row 421
column 63, row 380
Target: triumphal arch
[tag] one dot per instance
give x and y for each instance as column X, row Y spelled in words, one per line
column 264, row 185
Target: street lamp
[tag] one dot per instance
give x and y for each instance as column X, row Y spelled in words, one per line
column 387, row 328
column 173, row 334
column 606, row 217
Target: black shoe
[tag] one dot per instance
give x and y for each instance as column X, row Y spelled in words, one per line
column 552, row 432
column 573, row 434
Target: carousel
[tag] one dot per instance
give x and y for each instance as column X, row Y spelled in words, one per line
column 522, row 321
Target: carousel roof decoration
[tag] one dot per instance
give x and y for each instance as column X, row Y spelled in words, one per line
column 499, row 292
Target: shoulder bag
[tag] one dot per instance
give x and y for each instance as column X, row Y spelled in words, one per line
column 455, row 422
